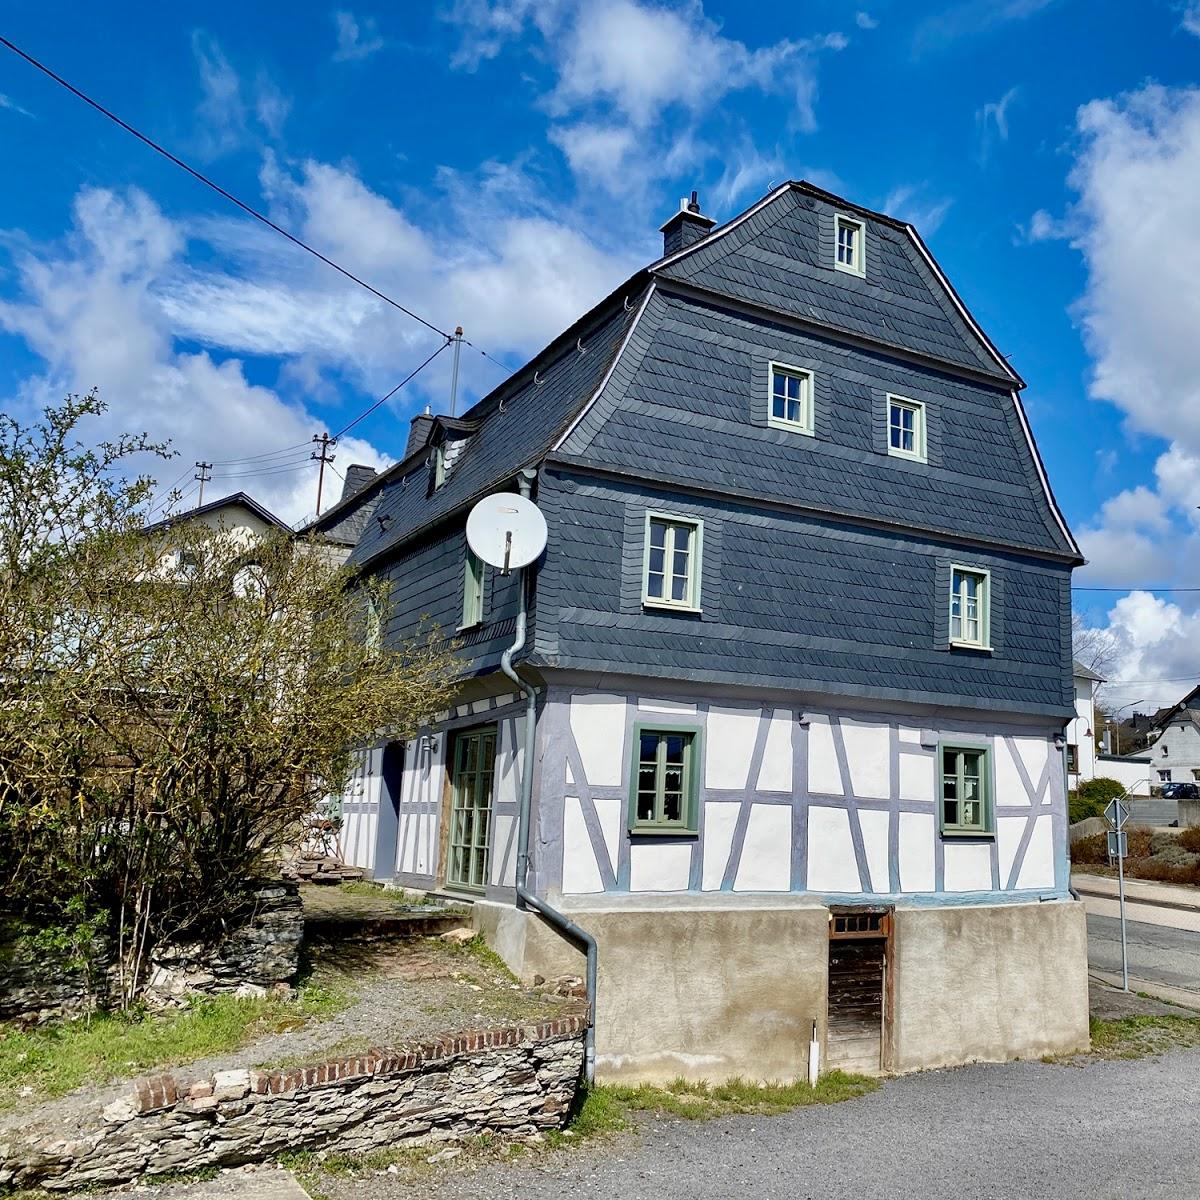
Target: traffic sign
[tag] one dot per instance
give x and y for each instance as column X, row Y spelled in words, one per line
column 1117, row 813
column 1118, row 844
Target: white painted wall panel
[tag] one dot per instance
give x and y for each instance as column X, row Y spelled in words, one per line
column 909, row 736
column 831, row 862
column 720, row 818
column 823, row 773
column 968, row 867
column 1034, row 752
column 729, row 746
column 766, row 864
column 503, row 864
column 875, row 827
column 580, row 873
column 654, row 867
column 917, row 777
column 917, row 833
column 648, row 704
column 775, row 774
column 1009, row 788
column 1037, row 871
column 868, row 757
column 611, row 811
column 1008, row 838
column 598, row 723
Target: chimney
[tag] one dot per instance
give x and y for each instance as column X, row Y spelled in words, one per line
column 688, row 225
column 419, row 431
column 357, row 478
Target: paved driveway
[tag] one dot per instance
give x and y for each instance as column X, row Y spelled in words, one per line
column 1025, row 1131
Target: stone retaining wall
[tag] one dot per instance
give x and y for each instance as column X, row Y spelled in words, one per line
column 516, row 1080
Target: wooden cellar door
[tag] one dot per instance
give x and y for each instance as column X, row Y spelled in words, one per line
column 858, row 957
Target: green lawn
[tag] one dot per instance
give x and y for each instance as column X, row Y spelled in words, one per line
column 1139, row 1037
column 39, row 1064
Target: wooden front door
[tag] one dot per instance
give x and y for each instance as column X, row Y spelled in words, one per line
column 858, row 957
column 472, row 771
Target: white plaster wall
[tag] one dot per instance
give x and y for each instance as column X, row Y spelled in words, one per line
column 968, row 866
column 658, row 867
column 868, row 757
column 361, row 805
column 875, row 828
column 581, row 873
column 1009, row 788
column 720, row 820
column 766, row 864
column 824, row 776
column 729, row 746
column 1037, row 871
column 917, row 779
column 598, row 723
column 832, row 866
column 775, row 774
column 1009, row 831
column 916, row 841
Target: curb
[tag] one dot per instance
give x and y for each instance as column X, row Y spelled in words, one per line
column 1159, row 991
column 1177, row 905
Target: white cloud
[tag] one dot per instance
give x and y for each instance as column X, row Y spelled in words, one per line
column 1190, row 20
column 221, row 112
column 89, row 310
column 992, row 122
column 11, row 105
column 356, row 38
column 971, row 18
column 906, row 203
column 864, row 20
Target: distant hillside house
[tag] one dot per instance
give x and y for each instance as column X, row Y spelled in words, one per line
column 1174, row 749
column 801, row 636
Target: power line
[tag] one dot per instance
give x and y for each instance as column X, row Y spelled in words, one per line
column 216, row 187
column 383, row 399
column 225, row 462
column 506, row 370
column 1135, row 587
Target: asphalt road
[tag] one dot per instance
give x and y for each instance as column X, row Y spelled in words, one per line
column 1156, row 953
column 1025, row 1131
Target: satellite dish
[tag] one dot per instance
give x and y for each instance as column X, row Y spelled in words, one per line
column 506, row 531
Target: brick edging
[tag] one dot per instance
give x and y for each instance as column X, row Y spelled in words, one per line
column 152, row 1093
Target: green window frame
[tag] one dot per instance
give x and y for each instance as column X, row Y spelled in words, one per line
column 439, row 466
column 970, row 607
column 374, row 629
column 473, row 589
column 790, row 403
column 472, row 776
column 672, row 561
column 965, row 790
column 664, row 787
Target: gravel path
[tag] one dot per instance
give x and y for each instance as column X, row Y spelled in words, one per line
column 1121, row 1130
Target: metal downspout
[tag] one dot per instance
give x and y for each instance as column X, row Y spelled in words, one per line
column 525, row 898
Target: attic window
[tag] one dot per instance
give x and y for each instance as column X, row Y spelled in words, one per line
column 439, row 466
column 850, row 252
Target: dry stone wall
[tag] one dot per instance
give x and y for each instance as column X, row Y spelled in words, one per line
column 516, row 1080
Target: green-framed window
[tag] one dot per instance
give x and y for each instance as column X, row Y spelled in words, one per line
column 663, row 794
column 472, row 773
column 672, row 562
column 472, row 605
column 439, row 466
column 374, row 626
column 966, row 790
column 970, row 607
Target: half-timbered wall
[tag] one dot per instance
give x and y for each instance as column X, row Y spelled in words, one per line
column 838, row 804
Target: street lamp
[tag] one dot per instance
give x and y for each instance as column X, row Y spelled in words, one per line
column 1116, row 725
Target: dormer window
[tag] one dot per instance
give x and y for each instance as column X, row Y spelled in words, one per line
column 850, row 250
column 439, row 466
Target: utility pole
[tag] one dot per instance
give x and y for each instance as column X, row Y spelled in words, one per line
column 326, row 443
column 204, row 474
column 457, row 339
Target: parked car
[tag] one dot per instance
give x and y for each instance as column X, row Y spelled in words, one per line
column 1180, row 791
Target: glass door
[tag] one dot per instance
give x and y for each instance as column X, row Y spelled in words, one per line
column 472, row 769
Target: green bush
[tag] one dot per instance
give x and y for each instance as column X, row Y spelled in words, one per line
column 1091, row 797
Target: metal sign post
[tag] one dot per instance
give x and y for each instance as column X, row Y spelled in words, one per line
column 1118, row 846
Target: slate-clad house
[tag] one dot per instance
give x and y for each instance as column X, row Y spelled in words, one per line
column 802, row 643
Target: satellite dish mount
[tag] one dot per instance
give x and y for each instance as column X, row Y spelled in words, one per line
column 506, row 531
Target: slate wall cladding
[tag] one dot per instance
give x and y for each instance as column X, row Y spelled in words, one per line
column 517, row 1080
column 692, row 407
column 782, row 257
column 796, row 602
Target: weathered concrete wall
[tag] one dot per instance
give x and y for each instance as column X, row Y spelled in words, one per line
column 515, row 1080
column 988, row 983
column 703, row 990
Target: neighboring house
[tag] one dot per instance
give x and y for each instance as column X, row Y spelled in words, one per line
column 1081, row 733
column 1174, row 749
column 240, row 517
column 801, row 636
column 341, row 525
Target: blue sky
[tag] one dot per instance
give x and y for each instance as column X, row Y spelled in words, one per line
column 504, row 165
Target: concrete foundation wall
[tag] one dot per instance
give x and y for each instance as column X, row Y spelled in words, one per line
column 711, row 990
column 988, row 984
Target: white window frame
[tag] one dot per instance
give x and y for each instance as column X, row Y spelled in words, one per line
column 808, row 387
column 695, row 563
column 920, row 451
column 985, row 604
column 859, row 266
column 474, row 590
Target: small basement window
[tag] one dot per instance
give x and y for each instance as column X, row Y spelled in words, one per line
column 906, row 428
column 663, row 791
column 965, row 800
column 671, row 567
column 969, row 607
column 851, row 245
column 791, row 399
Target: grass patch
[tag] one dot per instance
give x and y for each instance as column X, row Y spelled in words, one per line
column 397, row 896
column 40, row 1064
column 478, row 949
column 1140, row 1037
